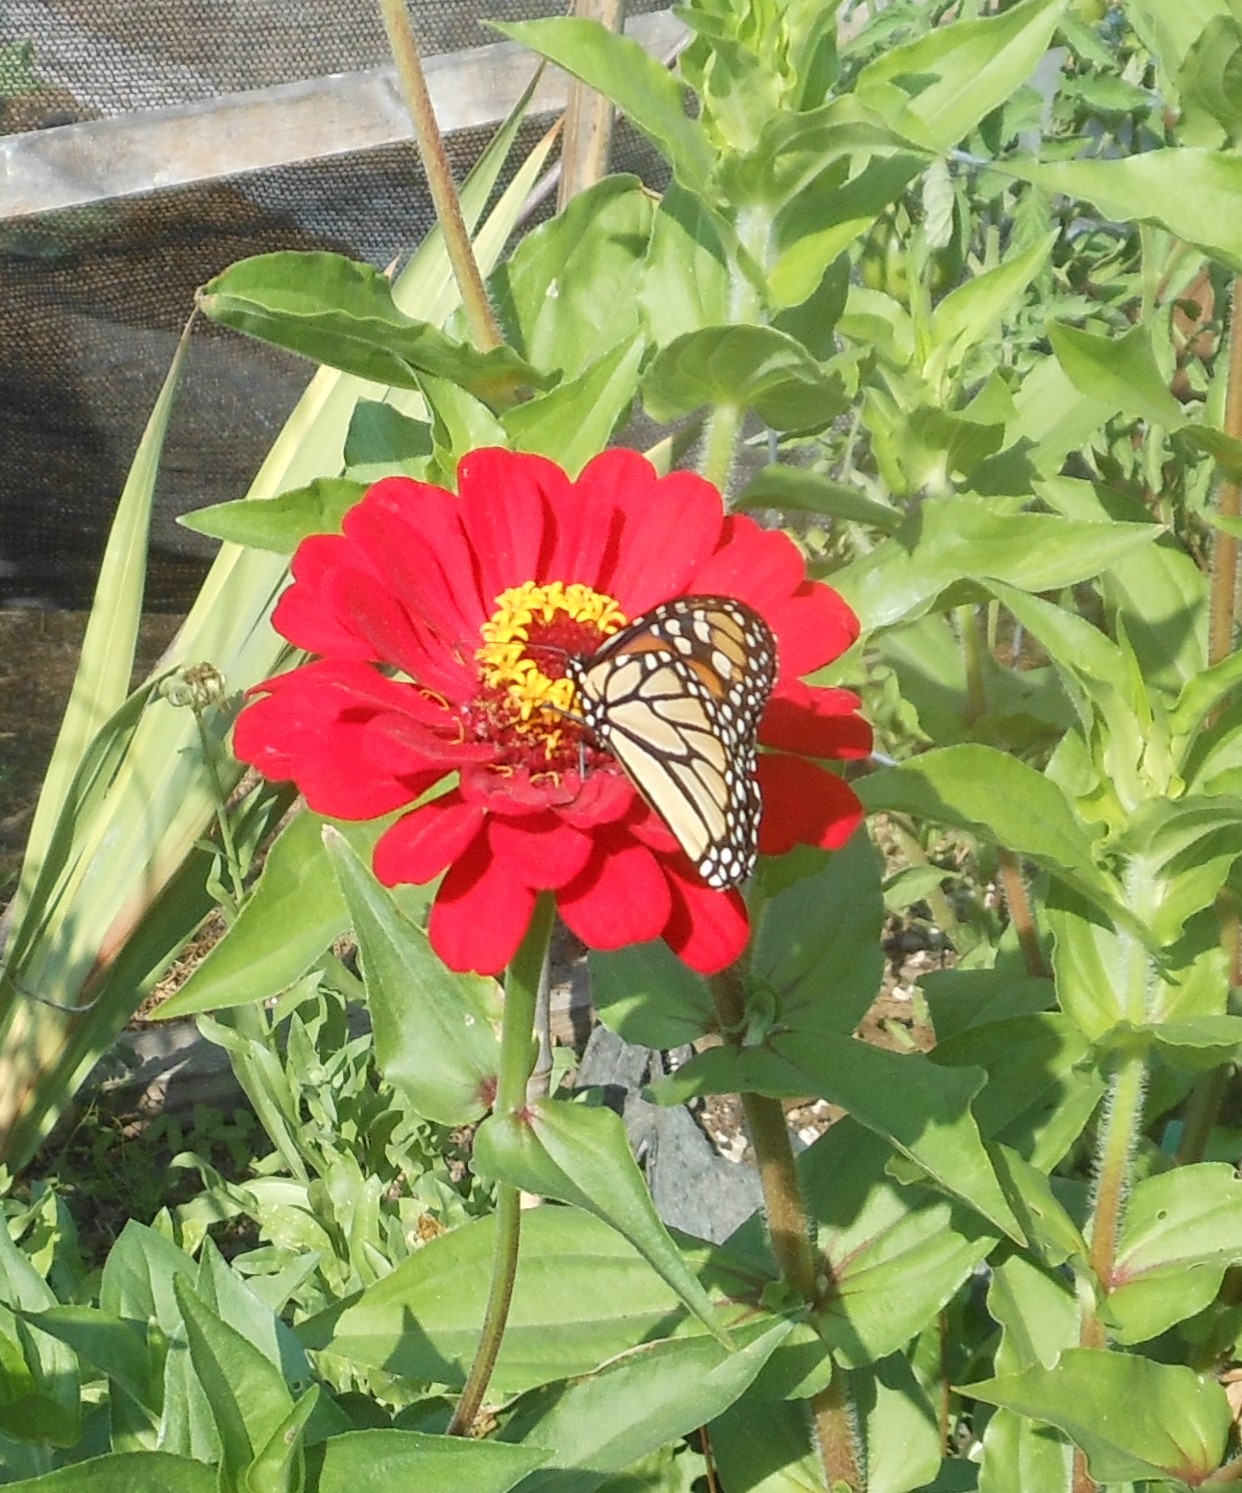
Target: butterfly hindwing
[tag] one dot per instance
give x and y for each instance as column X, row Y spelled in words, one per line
column 677, row 697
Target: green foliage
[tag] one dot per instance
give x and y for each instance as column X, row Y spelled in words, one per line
column 963, row 274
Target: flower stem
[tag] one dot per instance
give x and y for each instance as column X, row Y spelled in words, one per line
column 1122, row 1121
column 790, row 1232
column 522, row 984
column 483, row 325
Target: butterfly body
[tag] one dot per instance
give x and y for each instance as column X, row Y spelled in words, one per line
column 676, row 697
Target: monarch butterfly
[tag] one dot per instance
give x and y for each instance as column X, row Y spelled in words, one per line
column 676, row 697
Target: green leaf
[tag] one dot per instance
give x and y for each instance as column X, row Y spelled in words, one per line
column 1041, row 1088
column 1120, row 370
column 117, row 1347
column 581, row 1155
column 983, row 790
column 897, row 1253
column 767, row 1445
column 548, row 293
column 1208, row 85
column 279, row 524
column 577, row 419
column 647, row 995
column 640, row 86
column 381, row 1461
column 743, row 367
column 39, row 1385
column 380, row 436
column 126, row 1472
column 970, row 313
column 280, row 1463
column 922, row 1110
column 102, row 680
column 1182, row 1231
column 686, row 284
column 435, row 1037
column 1103, row 1401
column 247, row 1395
column 583, row 1294
column 1168, row 187
column 899, row 1425
column 920, row 89
column 819, row 946
column 961, row 998
column 1043, row 1216
column 793, row 489
column 296, row 893
column 947, row 540
column 648, row 1397
column 342, row 313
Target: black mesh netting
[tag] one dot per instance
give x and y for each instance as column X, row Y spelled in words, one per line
column 93, row 298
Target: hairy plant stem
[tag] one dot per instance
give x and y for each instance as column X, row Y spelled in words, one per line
column 484, row 328
column 1210, row 1088
column 789, row 1230
column 1013, row 884
column 517, row 1055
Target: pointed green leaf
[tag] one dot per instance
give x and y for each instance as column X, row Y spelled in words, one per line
column 583, row 1294
column 279, row 524
column 918, row 88
column 793, row 489
column 640, row 86
column 576, row 420
column 581, row 1155
column 383, row 1461
column 548, row 292
column 897, row 1253
column 1103, row 1401
column 922, row 1110
column 106, row 662
column 819, row 946
column 686, row 281
column 647, row 995
column 435, row 1035
column 341, row 313
column 1168, row 187
column 1182, row 1230
column 1121, row 370
column 983, row 790
column 948, row 540
column 248, row 1396
column 126, row 1472
column 651, row 1395
column 743, row 367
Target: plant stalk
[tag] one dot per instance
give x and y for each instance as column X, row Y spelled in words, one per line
column 522, row 984
column 790, row 1233
column 1222, row 613
column 484, row 327
column 1122, row 1122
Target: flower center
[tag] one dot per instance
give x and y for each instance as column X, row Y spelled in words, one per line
column 526, row 703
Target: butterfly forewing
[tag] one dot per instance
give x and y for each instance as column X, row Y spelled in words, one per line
column 677, row 697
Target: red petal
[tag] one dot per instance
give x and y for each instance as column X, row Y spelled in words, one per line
column 413, row 537
column 310, row 727
column 480, row 914
column 601, row 798
column 804, row 805
column 506, row 505
column 706, row 929
column 621, row 898
column 425, row 841
column 668, row 527
column 814, row 626
column 816, row 722
column 543, row 850
column 758, row 566
column 304, row 614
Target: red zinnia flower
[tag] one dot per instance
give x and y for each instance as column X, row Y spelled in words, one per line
column 442, row 622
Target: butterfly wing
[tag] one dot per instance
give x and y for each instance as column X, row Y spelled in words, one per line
column 677, row 697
